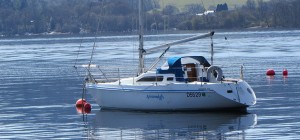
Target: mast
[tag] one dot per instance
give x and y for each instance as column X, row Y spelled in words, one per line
column 212, row 51
column 141, row 39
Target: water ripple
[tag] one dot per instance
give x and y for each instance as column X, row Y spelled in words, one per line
column 39, row 86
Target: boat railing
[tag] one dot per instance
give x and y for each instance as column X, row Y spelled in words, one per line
column 102, row 74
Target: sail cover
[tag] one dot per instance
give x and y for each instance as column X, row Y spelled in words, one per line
column 175, row 67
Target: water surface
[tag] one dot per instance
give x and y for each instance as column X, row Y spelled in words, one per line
column 39, row 87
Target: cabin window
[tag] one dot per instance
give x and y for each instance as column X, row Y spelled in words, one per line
column 170, row 79
column 151, row 79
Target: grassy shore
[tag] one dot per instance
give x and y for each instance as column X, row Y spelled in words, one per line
column 207, row 3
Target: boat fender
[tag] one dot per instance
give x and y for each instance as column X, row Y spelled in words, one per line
column 212, row 70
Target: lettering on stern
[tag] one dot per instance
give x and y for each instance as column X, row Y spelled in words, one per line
column 196, row 94
column 158, row 96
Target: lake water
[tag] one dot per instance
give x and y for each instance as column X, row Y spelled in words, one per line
column 39, row 87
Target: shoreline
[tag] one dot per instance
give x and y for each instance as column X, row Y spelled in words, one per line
column 147, row 32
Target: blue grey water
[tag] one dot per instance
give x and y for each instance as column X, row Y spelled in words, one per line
column 39, row 87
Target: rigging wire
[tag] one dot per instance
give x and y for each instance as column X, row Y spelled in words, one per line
column 211, row 28
column 99, row 25
column 79, row 48
column 81, row 41
column 78, row 52
column 134, row 26
column 212, row 50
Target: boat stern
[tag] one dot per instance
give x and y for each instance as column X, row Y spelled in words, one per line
column 246, row 93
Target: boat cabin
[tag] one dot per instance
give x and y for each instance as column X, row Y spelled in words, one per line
column 183, row 69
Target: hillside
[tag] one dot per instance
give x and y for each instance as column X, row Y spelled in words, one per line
column 207, row 3
column 32, row 17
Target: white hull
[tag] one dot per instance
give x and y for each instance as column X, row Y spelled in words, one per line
column 181, row 83
column 175, row 96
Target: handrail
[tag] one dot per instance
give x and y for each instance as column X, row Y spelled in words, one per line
column 105, row 74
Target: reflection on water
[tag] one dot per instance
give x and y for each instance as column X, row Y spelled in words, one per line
column 159, row 125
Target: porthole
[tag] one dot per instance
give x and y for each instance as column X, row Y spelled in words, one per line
column 249, row 90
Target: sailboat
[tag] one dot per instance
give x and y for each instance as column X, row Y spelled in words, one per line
column 181, row 84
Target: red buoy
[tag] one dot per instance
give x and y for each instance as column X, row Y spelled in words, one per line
column 87, row 107
column 80, row 102
column 284, row 72
column 270, row 72
column 82, row 110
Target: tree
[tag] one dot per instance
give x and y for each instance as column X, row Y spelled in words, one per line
column 185, row 25
column 170, row 10
column 263, row 11
column 222, row 7
column 71, row 16
column 250, row 4
column 194, row 9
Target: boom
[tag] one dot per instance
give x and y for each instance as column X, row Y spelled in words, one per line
column 152, row 50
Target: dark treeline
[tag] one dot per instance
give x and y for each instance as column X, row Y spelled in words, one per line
column 68, row 16
column 89, row 16
column 257, row 13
